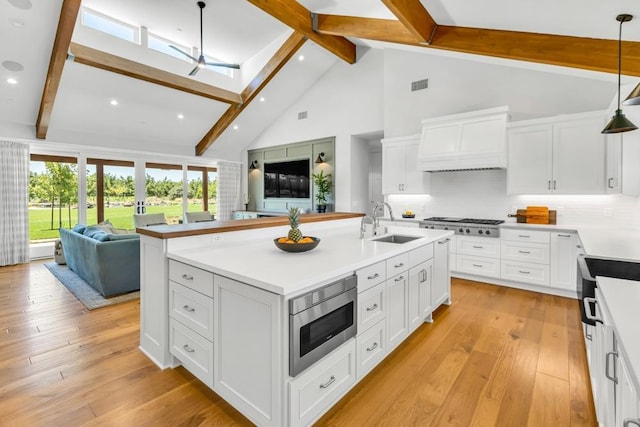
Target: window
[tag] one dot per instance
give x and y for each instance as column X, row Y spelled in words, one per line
column 202, row 189
column 110, row 192
column 53, row 196
column 162, row 45
column 109, row 25
column 164, row 190
column 221, row 70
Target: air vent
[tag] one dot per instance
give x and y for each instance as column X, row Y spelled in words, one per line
column 302, row 115
column 419, row 85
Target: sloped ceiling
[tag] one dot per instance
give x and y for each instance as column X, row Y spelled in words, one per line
column 234, row 31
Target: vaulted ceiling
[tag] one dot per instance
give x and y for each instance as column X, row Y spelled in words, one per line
column 70, row 73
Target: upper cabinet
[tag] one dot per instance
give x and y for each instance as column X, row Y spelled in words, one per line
column 400, row 173
column 475, row 140
column 560, row 155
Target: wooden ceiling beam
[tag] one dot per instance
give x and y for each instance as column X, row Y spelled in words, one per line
column 66, row 24
column 415, row 18
column 299, row 18
column 574, row 52
column 116, row 64
column 271, row 68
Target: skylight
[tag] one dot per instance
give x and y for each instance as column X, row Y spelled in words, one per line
column 109, row 25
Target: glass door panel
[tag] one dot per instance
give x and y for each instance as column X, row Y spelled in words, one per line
column 164, row 191
column 111, row 183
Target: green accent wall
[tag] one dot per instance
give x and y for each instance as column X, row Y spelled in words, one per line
column 296, row 151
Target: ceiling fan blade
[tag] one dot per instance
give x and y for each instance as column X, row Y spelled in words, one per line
column 194, row 71
column 183, row 52
column 222, row 64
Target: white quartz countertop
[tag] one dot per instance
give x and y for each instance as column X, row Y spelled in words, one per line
column 340, row 252
column 621, row 299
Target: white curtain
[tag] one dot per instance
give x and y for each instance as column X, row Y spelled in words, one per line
column 229, row 183
column 14, row 199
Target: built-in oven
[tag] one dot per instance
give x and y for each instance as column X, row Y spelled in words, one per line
column 320, row 321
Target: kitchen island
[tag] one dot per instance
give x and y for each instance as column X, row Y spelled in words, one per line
column 228, row 312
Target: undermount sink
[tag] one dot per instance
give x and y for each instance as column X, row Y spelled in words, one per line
column 395, row 238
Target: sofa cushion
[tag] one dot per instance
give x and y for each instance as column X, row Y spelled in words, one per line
column 102, row 236
column 114, row 237
column 92, row 230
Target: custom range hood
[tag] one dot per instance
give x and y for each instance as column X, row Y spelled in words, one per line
column 467, row 141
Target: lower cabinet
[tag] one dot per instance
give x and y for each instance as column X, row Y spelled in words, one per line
column 441, row 275
column 371, row 348
column 314, row 391
column 564, row 252
column 419, row 306
column 397, row 318
column 194, row 352
column 627, row 398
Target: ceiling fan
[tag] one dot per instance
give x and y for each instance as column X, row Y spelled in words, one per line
column 201, row 62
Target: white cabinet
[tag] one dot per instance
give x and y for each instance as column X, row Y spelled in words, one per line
column 397, row 317
column 622, row 173
column 371, row 348
column 372, row 306
column 400, row 167
column 248, row 355
column 419, row 306
column 525, row 256
column 478, row 255
column 314, row 391
column 441, row 275
column 557, row 156
column 564, row 253
column 627, row 399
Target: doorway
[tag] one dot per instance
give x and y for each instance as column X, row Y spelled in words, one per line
column 366, row 171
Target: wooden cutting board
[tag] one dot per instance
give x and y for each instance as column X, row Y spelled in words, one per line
column 521, row 217
column 537, row 215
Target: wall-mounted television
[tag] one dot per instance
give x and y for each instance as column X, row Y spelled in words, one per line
column 287, row 179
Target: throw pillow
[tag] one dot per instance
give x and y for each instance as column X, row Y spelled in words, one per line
column 79, row 228
column 106, row 226
column 91, row 230
column 101, row 236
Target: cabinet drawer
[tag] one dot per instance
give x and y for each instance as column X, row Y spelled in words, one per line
column 191, row 277
column 191, row 308
column 195, row 352
column 315, row 390
column 420, row 254
column 525, row 252
column 372, row 306
column 532, row 236
column 371, row 275
column 489, row 267
column 478, row 246
column 370, row 348
column 537, row 274
column 397, row 264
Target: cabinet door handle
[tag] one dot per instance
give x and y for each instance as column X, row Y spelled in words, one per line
column 373, row 307
column 187, row 277
column 610, row 183
column 524, row 252
column 187, row 308
column 442, row 242
column 399, row 265
column 399, row 278
column 328, row 383
column 477, row 247
column 549, row 185
column 375, row 276
column 564, row 235
column 613, row 377
column 188, row 349
column 524, row 272
column 477, row 265
column 524, row 236
column 373, row 347
column 628, row 421
column 587, row 309
column 554, row 184
column 424, row 272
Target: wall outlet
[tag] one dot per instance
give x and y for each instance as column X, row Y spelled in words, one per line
column 560, row 211
column 608, row 212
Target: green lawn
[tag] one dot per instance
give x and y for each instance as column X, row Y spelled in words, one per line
column 120, row 217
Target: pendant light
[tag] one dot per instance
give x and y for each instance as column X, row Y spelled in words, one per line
column 619, row 123
column 634, row 97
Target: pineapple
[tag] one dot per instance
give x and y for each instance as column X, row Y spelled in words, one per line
column 294, row 219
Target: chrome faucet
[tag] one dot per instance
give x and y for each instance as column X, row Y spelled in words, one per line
column 375, row 210
column 366, row 219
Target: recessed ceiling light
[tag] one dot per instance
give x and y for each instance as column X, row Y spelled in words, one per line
column 12, row 81
column 301, row 58
column 113, row 102
column 181, row 116
column 12, row 66
column 262, row 99
column 21, row 4
column 235, row 127
column 18, row 23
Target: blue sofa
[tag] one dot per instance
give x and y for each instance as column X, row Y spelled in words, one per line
column 110, row 263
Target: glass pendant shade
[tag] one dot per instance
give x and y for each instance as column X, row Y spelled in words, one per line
column 634, row 97
column 619, row 123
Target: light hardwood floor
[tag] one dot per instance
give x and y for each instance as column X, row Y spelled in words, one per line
column 496, row 356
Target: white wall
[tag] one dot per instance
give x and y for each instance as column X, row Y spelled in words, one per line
column 359, row 174
column 459, row 85
column 346, row 101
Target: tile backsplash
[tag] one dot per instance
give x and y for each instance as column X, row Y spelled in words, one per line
column 482, row 194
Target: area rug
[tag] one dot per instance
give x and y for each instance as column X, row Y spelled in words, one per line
column 88, row 296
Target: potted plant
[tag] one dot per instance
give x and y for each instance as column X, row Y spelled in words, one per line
column 323, row 189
